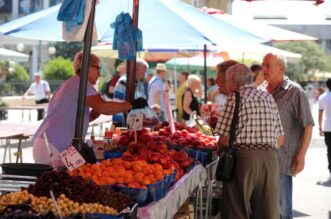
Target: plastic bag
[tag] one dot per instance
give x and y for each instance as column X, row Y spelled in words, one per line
column 125, row 37
column 191, row 122
column 71, row 32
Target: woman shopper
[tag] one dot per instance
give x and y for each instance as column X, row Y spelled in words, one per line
column 59, row 124
column 190, row 97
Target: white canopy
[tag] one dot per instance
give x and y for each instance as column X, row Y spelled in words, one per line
column 10, row 55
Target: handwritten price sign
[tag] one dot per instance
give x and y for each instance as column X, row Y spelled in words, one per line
column 136, row 122
column 72, row 158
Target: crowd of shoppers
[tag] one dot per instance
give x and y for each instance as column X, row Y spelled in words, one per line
column 272, row 136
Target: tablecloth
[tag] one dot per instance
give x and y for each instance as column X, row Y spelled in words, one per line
column 167, row 207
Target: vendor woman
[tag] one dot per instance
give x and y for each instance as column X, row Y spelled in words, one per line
column 59, row 124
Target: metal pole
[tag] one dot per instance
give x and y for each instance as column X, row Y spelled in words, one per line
column 83, row 78
column 205, row 71
column 131, row 65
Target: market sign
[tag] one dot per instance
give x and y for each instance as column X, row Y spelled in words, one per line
column 71, row 158
column 135, row 121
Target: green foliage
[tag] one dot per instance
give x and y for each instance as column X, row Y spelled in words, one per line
column 58, row 69
column 13, row 72
column 67, row 49
column 19, row 74
column 314, row 58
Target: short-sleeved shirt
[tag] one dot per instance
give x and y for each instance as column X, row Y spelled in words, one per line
column 120, row 94
column 324, row 103
column 39, row 90
column 59, row 123
column 294, row 110
column 259, row 124
column 156, row 85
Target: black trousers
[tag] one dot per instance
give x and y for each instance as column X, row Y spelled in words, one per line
column 327, row 138
column 41, row 111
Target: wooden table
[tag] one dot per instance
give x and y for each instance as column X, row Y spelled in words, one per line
column 16, row 131
column 26, row 107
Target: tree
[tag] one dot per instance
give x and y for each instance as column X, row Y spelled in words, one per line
column 314, row 58
column 11, row 71
column 67, row 49
column 58, row 69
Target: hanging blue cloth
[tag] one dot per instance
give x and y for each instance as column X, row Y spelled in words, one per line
column 72, row 13
column 125, row 36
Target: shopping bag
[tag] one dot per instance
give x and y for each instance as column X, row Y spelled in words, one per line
column 192, row 121
column 226, row 165
column 77, row 32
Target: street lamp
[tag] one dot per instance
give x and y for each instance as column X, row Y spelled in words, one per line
column 20, row 47
column 51, row 50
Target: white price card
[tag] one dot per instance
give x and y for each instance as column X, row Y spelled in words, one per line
column 72, row 158
column 136, row 122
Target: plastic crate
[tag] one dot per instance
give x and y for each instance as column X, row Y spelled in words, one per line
column 137, row 195
column 198, row 155
column 112, row 154
column 157, row 191
column 130, row 215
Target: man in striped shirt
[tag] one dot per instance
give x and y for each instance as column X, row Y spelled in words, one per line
column 141, row 89
column 254, row 191
column 298, row 124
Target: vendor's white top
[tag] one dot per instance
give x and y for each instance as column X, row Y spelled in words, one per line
column 324, row 102
column 39, row 90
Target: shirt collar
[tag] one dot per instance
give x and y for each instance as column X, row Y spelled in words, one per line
column 245, row 86
column 286, row 83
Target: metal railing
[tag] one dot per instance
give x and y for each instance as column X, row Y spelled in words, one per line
column 18, row 88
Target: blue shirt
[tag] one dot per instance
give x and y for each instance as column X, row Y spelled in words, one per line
column 59, row 123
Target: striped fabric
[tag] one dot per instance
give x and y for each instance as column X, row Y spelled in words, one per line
column 294, row 110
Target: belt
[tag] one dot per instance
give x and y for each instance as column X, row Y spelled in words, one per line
column 244, row 146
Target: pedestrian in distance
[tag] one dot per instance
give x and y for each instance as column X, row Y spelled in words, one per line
column 324, row 103
column 41, row 91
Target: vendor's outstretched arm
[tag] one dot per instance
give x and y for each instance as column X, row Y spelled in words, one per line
column 104, row 107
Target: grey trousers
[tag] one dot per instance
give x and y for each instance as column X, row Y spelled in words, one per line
column 254, row 191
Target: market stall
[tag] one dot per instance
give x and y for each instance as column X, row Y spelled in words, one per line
column 176, row 196
column 158, row 177
column 152, row 170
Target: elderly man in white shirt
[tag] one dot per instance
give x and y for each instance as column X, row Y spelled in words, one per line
column 42, row 92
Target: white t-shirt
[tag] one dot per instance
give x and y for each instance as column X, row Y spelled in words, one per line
column 39, row 90
column 324, row 103
column 156, row 85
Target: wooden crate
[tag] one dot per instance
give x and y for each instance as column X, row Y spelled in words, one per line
column 185, row 212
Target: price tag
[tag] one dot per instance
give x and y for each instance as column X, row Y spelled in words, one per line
column 136, row 122
column 72, row 158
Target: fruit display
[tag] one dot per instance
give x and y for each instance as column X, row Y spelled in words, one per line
column 210, row 113
column 132, row 174
column 78, row 190
column 187, row 137
column 43, row 205
column 156, row 152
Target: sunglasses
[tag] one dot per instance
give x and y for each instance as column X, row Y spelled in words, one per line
column 96, row 66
